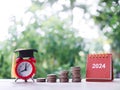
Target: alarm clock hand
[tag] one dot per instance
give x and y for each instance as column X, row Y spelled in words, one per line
column 25, row 66
column 22, row 70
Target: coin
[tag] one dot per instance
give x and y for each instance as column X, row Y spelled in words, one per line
column 75, row 68
column 40, row 79
column 64, row 76
column 64, row 73
column 51, row 78
column 64, row 80
column 76, row 77
column 76, row 80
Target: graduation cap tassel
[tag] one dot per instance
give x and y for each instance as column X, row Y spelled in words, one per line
column 13, row 75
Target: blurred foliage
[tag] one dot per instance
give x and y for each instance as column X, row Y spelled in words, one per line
column 107, row 18
column 58, row 46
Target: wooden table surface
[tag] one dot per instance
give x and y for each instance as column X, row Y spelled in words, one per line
column 10, row 84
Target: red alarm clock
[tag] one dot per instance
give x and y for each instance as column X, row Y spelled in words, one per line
column 25, row 64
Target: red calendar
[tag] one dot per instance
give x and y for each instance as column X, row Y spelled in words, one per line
column 99, row 67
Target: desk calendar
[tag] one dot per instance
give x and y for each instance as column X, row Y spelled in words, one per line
column 99, row 67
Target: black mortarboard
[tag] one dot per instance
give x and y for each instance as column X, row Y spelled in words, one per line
column 26, row 52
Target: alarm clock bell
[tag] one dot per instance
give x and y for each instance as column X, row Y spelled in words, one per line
column 25, row 64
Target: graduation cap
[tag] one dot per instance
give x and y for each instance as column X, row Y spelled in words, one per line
column 26, row 52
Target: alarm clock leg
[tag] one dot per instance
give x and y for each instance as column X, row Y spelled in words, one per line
column 25, row 80
column 16, row 79
column 32, row 79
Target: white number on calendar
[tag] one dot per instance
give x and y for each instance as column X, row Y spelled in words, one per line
column 100, row 65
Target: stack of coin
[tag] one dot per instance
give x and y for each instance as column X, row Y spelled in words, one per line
column 40, row 79
column 76, row 77
column 64, row 76
column 51, row 78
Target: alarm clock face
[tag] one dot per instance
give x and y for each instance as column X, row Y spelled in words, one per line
column 25, row 69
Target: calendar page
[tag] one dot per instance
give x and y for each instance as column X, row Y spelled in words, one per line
column 99, row 67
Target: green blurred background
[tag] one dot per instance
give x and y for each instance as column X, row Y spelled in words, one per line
column 60, row 46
